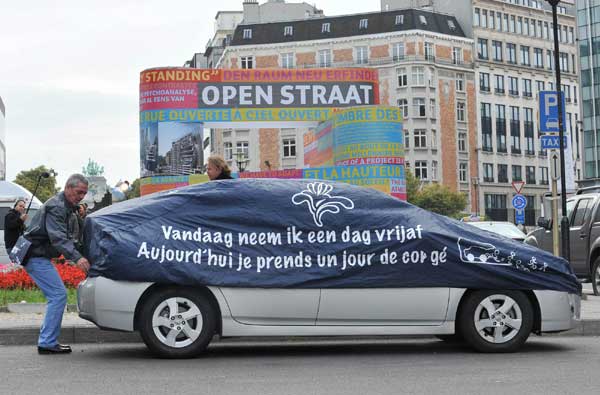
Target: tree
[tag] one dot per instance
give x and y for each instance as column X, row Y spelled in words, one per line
column 441, row 200
column 413, row 184
column 28, row 179
column 134, row 190
column 92, row 169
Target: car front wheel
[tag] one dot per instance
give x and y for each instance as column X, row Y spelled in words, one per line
column 496, row 321
column 596, row 277
column 177, row 322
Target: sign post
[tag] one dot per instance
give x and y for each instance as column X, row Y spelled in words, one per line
column 555, row 175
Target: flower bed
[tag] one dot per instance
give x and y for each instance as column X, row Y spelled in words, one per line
column 19, row 279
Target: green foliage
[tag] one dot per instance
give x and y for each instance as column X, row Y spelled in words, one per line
column 434, row 197
column 31, row 296
column 92, row 169
column 134, row 190
column 28, row 179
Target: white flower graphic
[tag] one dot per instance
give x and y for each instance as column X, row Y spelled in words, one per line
column 319, row 201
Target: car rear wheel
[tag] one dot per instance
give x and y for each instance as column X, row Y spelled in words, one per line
column 177, row 323
column 496, row 321
column 596, row 277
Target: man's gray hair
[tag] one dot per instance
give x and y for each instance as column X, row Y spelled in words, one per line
column 75, row 179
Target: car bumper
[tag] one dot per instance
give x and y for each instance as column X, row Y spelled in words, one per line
column 560, row 311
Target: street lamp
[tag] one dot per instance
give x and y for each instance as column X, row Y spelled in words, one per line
column 241, row 160
column 564, row 221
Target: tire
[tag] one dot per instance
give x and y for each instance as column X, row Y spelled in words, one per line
column 496, row 321
column 595, row 275
column 177, row 322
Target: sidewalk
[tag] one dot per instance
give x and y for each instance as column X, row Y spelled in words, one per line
column 23, row 329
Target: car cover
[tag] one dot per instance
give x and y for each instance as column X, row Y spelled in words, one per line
column 273, row 233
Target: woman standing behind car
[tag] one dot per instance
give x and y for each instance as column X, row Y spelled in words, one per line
column 217, row 169
column 14, row 224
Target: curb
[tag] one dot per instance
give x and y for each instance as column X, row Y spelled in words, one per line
column 77, row 334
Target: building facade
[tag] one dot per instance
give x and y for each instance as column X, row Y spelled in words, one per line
column 588, row 21
column 2, row 140
column 514, row 61
column 425, row 66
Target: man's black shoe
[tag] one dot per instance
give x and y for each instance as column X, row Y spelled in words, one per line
column 58, row 349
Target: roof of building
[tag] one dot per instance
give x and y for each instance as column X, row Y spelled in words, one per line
column 347, row 26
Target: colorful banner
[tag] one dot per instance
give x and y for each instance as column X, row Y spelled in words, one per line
column 260, row 95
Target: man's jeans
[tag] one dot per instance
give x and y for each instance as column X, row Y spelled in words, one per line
column 46, row 277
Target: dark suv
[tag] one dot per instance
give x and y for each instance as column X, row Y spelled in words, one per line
column 584, row 236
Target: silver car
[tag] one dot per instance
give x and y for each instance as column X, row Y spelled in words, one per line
column 177, row 318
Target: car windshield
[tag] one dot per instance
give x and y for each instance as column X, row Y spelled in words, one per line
column 502, row 228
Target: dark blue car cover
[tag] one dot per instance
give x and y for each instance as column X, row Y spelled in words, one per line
column 270, row 233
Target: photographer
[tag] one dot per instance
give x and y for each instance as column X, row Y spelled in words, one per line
column 14, row 224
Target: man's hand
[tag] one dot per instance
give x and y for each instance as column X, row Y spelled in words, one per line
column 24, row 217
column 83, row 264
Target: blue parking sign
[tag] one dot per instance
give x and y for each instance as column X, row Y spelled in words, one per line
column 549, row 111
column 520, row 217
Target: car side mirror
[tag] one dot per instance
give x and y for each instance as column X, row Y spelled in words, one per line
column 544, row 223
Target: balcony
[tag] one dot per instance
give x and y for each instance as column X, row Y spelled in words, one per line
column 499, row 91
column 513, row 93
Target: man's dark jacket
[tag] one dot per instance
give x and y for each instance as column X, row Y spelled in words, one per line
column 49, row 231
column 13, row 228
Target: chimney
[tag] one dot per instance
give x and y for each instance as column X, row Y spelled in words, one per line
column 251, row 11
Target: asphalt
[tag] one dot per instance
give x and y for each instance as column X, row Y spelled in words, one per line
column 23, row 328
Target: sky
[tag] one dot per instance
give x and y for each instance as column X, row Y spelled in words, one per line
column 69, row 73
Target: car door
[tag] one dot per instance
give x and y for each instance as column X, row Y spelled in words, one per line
column 383, row 306
column 579, row 234
column 272, row 306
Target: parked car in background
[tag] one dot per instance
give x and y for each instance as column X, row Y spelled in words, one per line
column 9, row 194
column 583, row 212
column 264, row 257
column 503, row 228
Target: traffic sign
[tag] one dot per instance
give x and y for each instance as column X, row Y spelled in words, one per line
column 554, row 165
column 518, row 185
column 520, row 216
column 549, row 111
column 553, row 142
column 519, row 202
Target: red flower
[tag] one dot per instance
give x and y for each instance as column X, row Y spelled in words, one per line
column 19, row 279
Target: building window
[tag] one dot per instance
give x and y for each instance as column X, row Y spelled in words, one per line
column 549, row 59
column 486, row 127
column 477, row 17
column 495, row 207
column 460, row 82
column 527, row 88
column 423, row 20
column 525, row 56
column 498, row 21
column 511, row 53
column 362, row 55
column 419, row 107
column 540, row 86
column 406, row 140
column 288, row 30
column 228, row 151
column 326, row 27
column 488, row 172
column 420, row 138
column 289, row 147
column 516, row 173
column 538, row 58
column 500, row 128
column 434, row 166
column 433, row 139
column 398, row 51
column 403, row 106
column 543, row 175
column 513, row 86
column 499, row 88
column 402, row 77
column 483, row 20
column 247, row 34
column 497, row 49
column 482, row 52
column 432, row 112
column 502, row 173
column 287, row 60
column 399, row 19
column 564, row 62
column 462, row 142
column 428, row 51
column 247, row 62
column 418, row 75
column 460, row 111
column 432, row 77
column 463, row 171
column 241, row 148
column 484, row 82
column 457, row 55
column 528, row 132
column 511, row 24
column 421, row 169
column 515, row 131
column 530, row 174
column 325, row 58
column 363, row 24
column 505, row 23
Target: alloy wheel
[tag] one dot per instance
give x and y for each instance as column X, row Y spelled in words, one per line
column 177, row 322
column 498, row 318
